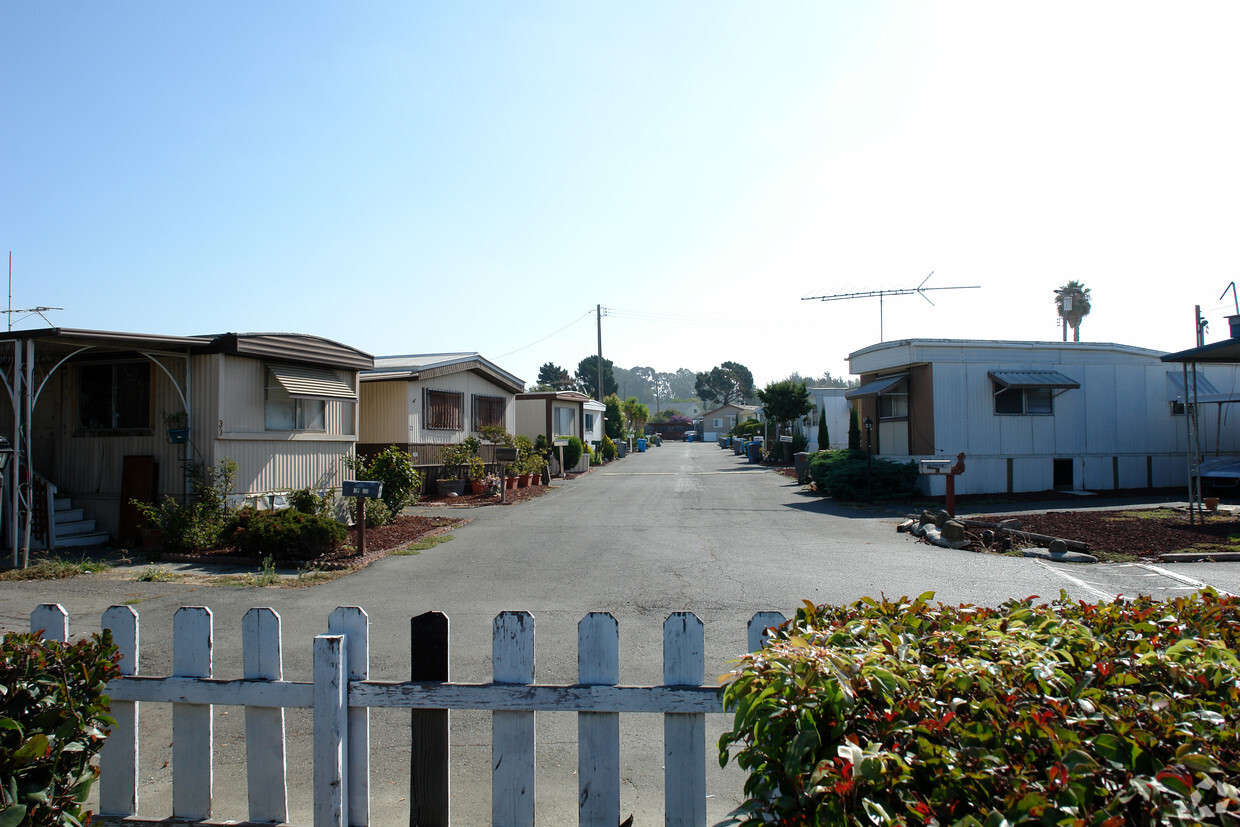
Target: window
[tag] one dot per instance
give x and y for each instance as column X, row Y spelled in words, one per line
column 718, row 422
column 565, row 422
column 441, row 410
column 284, row 413
column 1177, row 408
column 114, row 396
column 892, row 405
column 590, row 422
column 488, row 411
column 1023, row 401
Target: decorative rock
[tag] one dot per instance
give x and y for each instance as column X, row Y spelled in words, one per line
column 906, row 526
column 927, row 517
column 953, row 531
column 1010, row 525
column 941, row 518
column 1057, row 547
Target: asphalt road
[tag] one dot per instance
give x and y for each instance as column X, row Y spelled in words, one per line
column 681, row 527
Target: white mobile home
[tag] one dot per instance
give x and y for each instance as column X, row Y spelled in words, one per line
column 1034, row 416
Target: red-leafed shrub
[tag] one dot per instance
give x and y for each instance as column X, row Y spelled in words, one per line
column 905, row 713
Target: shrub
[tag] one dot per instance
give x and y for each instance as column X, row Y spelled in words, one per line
column 748, row 429
column 52, row 716
column 843, row 475
column 402, row 482
column 900, row 713
column 201, row 521
column 309, row 501
column 608, row 449
column 288, row 534
column 572, row 454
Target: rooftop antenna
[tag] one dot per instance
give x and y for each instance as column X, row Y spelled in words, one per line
column 40, row 310
column 1232, row 288
column 920, row 290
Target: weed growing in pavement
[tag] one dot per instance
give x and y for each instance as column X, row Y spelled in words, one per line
column 156, row 574
column 55, row 568
column 421, row 545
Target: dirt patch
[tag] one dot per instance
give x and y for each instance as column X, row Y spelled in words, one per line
column 380, row 542
column 512, row 496
column 1133, row 533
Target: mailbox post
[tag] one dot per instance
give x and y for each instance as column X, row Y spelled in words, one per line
column 560, row 443
column 361, row 490
column 943, row 467
column 504, row 454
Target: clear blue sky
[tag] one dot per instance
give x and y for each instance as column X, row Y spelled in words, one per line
column 417, row 177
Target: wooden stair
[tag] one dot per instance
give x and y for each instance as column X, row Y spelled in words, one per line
column 72, row 528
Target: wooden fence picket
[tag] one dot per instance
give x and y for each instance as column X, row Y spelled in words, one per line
column 430, row 750
column 192, row 741
column 52, row 620
column 118, row 760
column 264, row 726
column 512, row 733
column 598, row 733
column 684, row 734
column 331, row 731
column 759, row 625
column 354, row 624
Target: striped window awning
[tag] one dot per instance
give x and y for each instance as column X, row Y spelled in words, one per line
column 311, row 383
column 1017, row 379
column 876, row 387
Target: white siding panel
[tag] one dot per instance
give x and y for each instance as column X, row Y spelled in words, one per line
column 1070, row 415
column 264, row 466
column 1133, row 425
column 1132, row 472
column 1097, row 473
column 983, row 427
column 952, row 432
column 1098, row 387
column 385, row 413
column 1015, row 435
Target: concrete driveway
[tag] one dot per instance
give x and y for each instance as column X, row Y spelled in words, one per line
column 680, row 527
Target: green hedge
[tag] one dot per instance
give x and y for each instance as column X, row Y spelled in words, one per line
column 52, row 717
column 842, row 474
column 903, row 713
column 287, row 535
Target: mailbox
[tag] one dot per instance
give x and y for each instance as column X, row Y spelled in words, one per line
column 559, row 443
column 785, row 437
column 505, row 454
column 365, row 489
column 935, row 466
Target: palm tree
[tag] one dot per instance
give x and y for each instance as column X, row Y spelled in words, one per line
column 1072, row 304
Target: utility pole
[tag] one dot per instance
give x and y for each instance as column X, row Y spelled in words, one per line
column 598, row 317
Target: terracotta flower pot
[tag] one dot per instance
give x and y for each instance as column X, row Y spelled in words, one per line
column 477, row 487
column 510, row 482
column 523, row 480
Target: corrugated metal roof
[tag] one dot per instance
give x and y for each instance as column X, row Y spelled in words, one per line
column 430, row 365
column 876, row 387
column 311, row 383
column 1032, row 379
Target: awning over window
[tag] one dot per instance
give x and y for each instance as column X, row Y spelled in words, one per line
column 311, row 383
column 1033, row 379
column 1206, row 392
column 877, row 387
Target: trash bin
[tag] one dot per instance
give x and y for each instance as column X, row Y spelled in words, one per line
column 689, row 436
column 641, row 446
column 801, row 460
column 622, row 448
column 754, row 449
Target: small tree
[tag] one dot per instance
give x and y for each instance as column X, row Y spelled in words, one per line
column 824, row 438
column 636, row 414
column 613, row 419
column 785, row 402
column 854, row 429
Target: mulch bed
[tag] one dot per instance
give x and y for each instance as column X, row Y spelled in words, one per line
column 1126, row 533
column 468, row 500
column 380, row 542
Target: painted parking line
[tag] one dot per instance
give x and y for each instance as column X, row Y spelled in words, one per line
column 1175, row 575
column 1076, row 581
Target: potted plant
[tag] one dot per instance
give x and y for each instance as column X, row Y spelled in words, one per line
column 451, row 480
column 178, row 427
column 477, row 472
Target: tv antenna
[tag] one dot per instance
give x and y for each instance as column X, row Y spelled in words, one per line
column 40, row 310
column 920, row 290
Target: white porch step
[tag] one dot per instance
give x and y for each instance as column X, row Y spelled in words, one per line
column 69, row 515
column 74, row 541
column 68, row 528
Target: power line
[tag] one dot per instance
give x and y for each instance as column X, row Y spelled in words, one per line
column 548, row 336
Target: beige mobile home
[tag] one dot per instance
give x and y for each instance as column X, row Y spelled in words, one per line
column 101, row 418
column 424, row 402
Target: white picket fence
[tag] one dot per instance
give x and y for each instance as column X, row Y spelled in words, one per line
column 341, row 695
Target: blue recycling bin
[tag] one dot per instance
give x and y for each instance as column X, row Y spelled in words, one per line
column 689, row 436
column 641, row 446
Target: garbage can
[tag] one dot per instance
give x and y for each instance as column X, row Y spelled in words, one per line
column 801, row 461
column 754, row 450
column 622, row 448
column 738, row 446
column 689, row 435
column 641, row 446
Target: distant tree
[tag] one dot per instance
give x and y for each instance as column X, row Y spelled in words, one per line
column 854, row 429
column 728, row 383
column 613, row 417
column 666, row 415
column 636, row 414
column 554, row 377
column 587, row 377
column 785, row 402
column 824, row 437
column 1072, row 305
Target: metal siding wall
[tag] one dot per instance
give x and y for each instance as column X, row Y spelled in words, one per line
column 385, row 414
column 1098, row 386
column 1071, row 409
column 1133, row 428
column 243, row 395
column 1097, row 473
column 983, row 432
column 264, row 465
column 954, row 410
column 1015, row 435
column 1132, row 472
